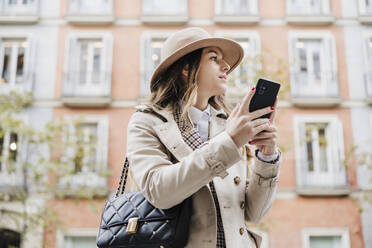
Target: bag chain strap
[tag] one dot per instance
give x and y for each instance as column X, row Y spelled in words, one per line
column 123, row 178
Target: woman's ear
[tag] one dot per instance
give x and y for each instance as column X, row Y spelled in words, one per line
column 185, row 71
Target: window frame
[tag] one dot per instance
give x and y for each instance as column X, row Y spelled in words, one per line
column 14, row 179
column 362, row 7
column 325, row 9
column 29, row 8
column 28, row 65
column 253, row 10
column 73, row 86
column 101, row 152
column 322, row 231
column 336, row 146
column 254, row 41
column 183, row 11
column 99, row 10
column 330, row 67
column 147, row 38
column 74, row 232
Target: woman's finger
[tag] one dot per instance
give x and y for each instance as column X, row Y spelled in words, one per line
column 260, row 112
column 260, row 121
column 265, row 135
column 235, row 110
column 267, row 142
column 272, row 116
column 244, row 108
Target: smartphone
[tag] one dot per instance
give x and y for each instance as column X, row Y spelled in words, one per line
column 264, row 96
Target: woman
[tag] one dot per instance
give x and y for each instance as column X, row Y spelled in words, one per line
column 191, row 145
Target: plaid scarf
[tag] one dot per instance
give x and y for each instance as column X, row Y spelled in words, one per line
column 193, row 139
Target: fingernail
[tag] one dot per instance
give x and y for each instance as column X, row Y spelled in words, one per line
column 272, row 107
column 249, row 142
column 253, row 88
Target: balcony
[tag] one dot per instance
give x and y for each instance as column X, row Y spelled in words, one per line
column 368, row 85
column 324, row 183
column 162, row 12
column 16, row 82
column 83, row 12
column 18, row 13
column 236, row 15
column 301, row 14
column 86, row 89
column 323, row 92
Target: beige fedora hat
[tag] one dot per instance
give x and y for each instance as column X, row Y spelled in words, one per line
column 187, row 40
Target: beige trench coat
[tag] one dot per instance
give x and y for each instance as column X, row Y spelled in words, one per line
column 244, row 194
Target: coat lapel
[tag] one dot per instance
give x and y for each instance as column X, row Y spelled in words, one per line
column 171, row 136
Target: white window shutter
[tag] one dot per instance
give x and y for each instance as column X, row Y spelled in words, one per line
column 301, row 154
column 254, row 41
column 73, row 55
column 331, row 58
column 1, row 57
column 106, row 68
column 295, row 63
column 30, row 64
column 253, row 6
column 340, row 144
column 102, row 143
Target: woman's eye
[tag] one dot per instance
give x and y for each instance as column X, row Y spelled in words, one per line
column 214, row 58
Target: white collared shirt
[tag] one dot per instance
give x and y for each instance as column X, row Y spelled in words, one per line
column 201, row 121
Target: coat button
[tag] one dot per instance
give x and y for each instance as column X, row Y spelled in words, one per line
column 241, row 231
column 242, row 205
column 237, row 180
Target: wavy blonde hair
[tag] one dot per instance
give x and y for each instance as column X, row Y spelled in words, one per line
column 171, row 91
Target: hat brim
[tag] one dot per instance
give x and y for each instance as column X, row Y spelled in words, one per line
column 233, row 54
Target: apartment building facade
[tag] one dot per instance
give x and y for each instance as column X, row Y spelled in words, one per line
column 94, row 59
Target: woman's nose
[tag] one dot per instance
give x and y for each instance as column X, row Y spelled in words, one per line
column 225, row 66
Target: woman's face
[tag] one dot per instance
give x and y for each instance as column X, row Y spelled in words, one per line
column 211, row 78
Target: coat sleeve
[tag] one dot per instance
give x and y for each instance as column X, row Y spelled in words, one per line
column 260, row 188
column 166, row 184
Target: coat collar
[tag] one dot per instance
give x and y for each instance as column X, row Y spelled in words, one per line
column 170, row 135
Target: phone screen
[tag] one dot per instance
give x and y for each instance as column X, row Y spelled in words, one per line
column 264, row 96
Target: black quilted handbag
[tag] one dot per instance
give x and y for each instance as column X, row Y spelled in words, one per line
column 129, row 220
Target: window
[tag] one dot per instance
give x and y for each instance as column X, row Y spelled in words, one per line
column 245, row 72
column 87, row 160
column 90, row 7
column 10, row 239
column 80, row 242
column 164, row 7
column 10, row 156
column 313, row 67
column 325, row 238
column 8, row 149
column 365, row 7
column 76, row 238
column 89, row 66
column 236, row 7
column 369, row 6
column 319, row 151
column 308, row 7
column 12, row 60
column 20, row 6
column 152, row 55
column 325, row 241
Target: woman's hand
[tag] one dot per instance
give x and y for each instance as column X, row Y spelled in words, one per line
column 266, row 140
column 242, row 125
